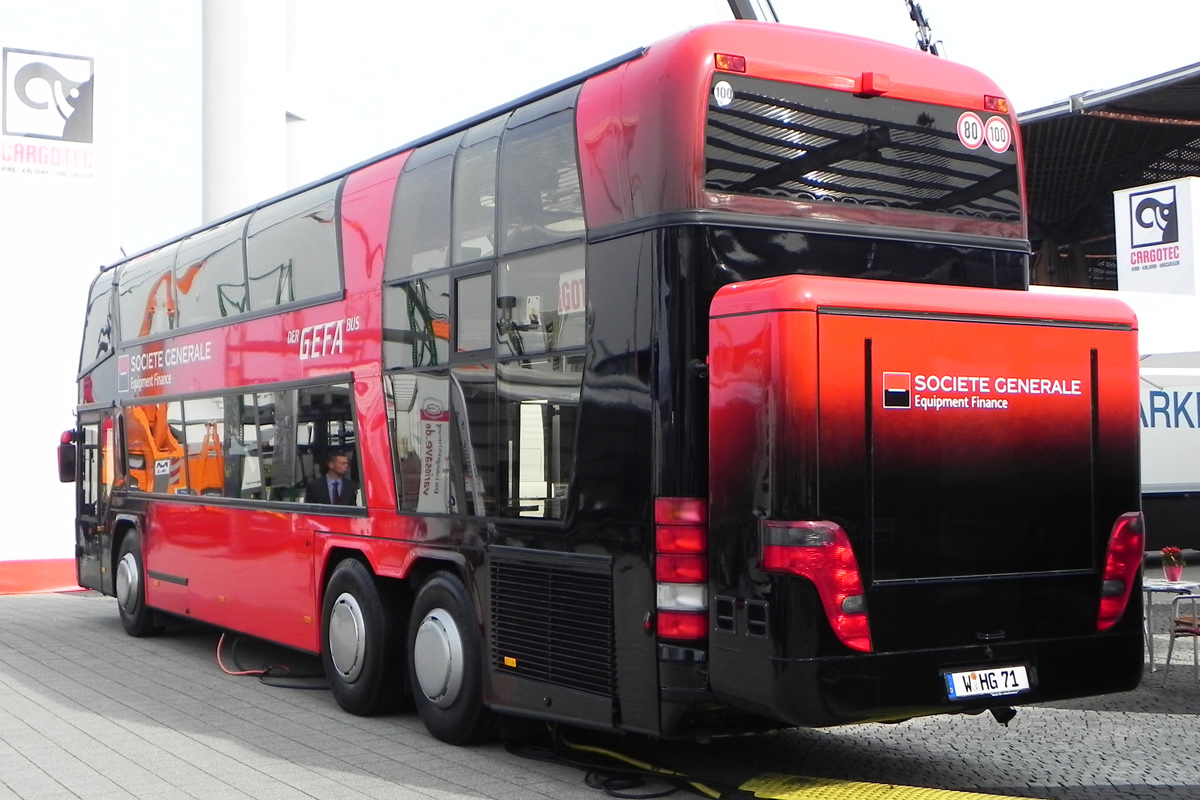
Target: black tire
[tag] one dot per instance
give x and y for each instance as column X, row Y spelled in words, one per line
column 445, row 656
column 362, row 641
column 130, row 581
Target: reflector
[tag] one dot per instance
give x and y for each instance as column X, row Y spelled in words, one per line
column 730, row 63
column 997, row 104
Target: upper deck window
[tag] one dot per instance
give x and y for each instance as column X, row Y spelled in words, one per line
column 819, row 145
column 98, row 327
column 540, row 199
column 210, row 275
column 146, row 295
column 292, row 249
column 420, row 231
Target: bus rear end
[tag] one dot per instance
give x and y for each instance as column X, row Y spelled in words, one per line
column 922, row 499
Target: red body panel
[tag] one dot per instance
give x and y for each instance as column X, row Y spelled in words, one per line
column 254, row 570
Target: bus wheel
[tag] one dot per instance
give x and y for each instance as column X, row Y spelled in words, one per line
column 362, row 641
column 446, row 656
column 136, row 618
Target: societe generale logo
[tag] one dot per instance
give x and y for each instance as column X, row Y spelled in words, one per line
column 897, row 390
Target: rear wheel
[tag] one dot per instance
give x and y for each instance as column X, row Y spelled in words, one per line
column 136, row 618
column 445, row 654
column 362, row 644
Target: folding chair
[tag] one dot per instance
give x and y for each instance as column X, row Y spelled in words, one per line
column 1184, row 622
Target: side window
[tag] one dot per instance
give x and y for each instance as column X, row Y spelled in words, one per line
column 473, row 313
column 204, row 425
column 146, row 295
column 98, row 326
column 292, row 251
column 441, row 430
column 91, row 451
column 540, row 198
column 539, row 415
column 243, row 462
column 155, row 457
column 416, row 323
column 474, row 218
column 280, row 467
column 210, row 275
column 541, row 301
column 419, row 238
column 326, row 429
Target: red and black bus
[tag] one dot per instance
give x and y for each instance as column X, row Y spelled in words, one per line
column 700, row 392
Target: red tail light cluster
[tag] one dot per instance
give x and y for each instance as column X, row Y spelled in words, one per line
column 821, row 552
column 1126, row 547
column 681, row 567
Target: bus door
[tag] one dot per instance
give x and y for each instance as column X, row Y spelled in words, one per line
column 95, row 474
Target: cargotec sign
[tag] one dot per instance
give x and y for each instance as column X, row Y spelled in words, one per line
column 1156, row 237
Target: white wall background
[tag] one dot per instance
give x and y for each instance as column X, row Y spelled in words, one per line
column 360, row 77
column 55, row 232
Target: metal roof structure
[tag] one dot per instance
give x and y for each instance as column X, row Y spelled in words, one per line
column 1078, row 151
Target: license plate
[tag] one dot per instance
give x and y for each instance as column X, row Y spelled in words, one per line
column 987, row 682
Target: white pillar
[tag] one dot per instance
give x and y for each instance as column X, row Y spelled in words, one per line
column 244, row 119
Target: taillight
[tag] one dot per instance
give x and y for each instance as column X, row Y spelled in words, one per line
column 821, row 552
column 681, row 567
column 1126, row 547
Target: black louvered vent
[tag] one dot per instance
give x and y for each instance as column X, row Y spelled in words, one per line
column 552, row 620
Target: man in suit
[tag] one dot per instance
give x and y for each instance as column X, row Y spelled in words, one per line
column 335, row 486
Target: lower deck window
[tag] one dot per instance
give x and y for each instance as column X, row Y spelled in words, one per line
column 253, row 446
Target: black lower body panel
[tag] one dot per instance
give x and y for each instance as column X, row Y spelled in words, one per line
column 891, row 686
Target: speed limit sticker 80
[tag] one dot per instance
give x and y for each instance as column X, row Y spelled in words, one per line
column 973, row 132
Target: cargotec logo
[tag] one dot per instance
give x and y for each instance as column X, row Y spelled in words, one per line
column 47, row 95
column 1153, row 218
column 897, row 390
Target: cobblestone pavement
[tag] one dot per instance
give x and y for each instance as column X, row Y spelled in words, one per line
column 88, row 712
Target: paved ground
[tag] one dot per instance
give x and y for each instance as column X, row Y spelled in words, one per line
column 88, row 712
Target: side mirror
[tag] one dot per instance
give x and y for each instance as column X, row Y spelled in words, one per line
column 66, row 457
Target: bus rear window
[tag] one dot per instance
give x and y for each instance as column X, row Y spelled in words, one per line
column 743, row 254
column 808, row 144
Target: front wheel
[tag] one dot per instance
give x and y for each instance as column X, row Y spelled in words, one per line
column 137, row 619
column 445, row 654
column 362, row 644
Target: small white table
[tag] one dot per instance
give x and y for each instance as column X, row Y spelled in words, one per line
column 1153, row 586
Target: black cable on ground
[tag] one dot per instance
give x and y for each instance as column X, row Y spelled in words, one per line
column 279, row 676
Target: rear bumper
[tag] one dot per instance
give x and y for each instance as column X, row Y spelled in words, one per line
column 892, row 686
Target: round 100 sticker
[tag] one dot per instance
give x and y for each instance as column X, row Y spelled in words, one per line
column 998, row 134
column 970, row 130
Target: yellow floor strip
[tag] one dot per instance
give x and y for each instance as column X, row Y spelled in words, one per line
column 795, row 787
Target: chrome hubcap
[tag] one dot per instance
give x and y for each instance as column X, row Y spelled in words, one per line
column 438, row 658
column 347, row 637
column 127, row 582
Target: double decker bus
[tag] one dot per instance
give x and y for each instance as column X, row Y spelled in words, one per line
column 701, row 392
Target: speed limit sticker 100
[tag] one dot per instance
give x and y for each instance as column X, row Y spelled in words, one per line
column 973, row 132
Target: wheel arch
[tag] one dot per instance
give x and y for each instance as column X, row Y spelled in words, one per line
column 122, row 524
column 417, row 565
